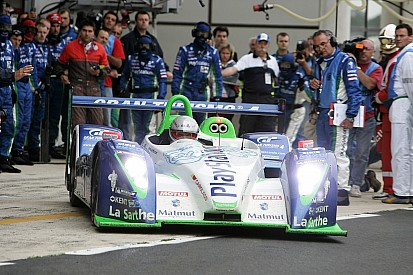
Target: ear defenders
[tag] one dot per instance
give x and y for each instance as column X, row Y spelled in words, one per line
column 201, row 27
column 333, row 39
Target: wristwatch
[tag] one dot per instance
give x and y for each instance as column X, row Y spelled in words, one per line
column 351, row 119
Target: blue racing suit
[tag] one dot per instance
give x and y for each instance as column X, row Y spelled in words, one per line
column 38, row 108
column 148, row 81
column 69, row 36
column 192, row 69
column 25, row 55
column 340, row 84
column 7, row 126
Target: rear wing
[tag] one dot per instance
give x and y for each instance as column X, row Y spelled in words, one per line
column 159, row 105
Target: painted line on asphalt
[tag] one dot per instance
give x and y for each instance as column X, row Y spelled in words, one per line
column 5, row 263
column 41, row 217
column 356, row 216
column 94, row 251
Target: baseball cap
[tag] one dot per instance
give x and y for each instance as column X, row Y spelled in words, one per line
column 263, row 37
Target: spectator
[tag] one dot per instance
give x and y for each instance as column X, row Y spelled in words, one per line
column 260, row 71
column 282, row 43
column 252, row 43
column 116, row 56
column 230, row 86
column 84, row 79
column 390, row 51
column 194, row 62
column 25, row 55
column 220, row 35
column 302, row 106
column 40, row 95
column 6, row 80
column 57, row 97
column 148, row 74
column 401, row 119
column 129, row 47
column 340, row 84
column 370, row 75
column 117, row 30
column 68, row 32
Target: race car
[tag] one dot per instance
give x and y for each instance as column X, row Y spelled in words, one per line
column 216, row 180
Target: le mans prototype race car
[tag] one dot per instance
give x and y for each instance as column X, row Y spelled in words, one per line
column 217, row 180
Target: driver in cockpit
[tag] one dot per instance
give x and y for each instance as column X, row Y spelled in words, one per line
column 183, row 127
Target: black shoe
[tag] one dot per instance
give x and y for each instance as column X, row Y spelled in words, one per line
column 34, row 155
column 6, row 167
column 20, row 159
column 342, row 198
column 56, row 153
column 374, row 182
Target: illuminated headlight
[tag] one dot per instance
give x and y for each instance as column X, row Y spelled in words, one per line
column 308, row 176
column 138, row 172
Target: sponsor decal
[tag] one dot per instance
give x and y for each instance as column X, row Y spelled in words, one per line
column 264, row 206
column 222, row 183
column 312, row 222
column 110, row 135
column 268, row 217
column 125, row 192
column 225, row 205
column 173, row 194
column 136, row 215
column 201, row 189
column 176, row 213
column 124, row 201
column 184, row 155
column 267, row 197
column 113, row 178
column 176, row 203
column 318, row 209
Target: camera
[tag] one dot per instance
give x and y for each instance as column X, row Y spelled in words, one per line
column 299, row 50
column 354, row 46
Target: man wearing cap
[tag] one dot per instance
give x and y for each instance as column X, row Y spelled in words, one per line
column 260, row 71
column 57, row 110
column 197, row 67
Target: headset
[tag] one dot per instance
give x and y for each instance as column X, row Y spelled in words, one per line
column 198, row 25
column 333, row 39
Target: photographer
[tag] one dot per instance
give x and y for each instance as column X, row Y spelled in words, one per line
column 370, row 75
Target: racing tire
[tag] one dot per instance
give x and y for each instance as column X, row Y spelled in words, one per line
column 95, row 183
column 74, row 200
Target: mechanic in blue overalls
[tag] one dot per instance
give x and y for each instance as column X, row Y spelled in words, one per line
column 56, row 46
column 40, row 95
column 25, row 55
column 197, row 65
column 148, row 74
column 6, row 106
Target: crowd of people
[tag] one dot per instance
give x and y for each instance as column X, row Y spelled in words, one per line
column 42, row 58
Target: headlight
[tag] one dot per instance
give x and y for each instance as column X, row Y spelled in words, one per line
column 309, row 176
column 137, row 171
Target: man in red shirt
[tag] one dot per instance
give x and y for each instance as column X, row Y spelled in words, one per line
column 82, row 64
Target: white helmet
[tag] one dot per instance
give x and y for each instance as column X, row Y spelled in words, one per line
column 183, row 127
column 387, row 39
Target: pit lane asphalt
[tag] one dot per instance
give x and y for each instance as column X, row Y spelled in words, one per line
column 36, row 218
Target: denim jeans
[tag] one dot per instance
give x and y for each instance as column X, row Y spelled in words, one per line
column 359, row 150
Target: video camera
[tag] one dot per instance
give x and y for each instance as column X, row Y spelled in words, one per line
column 354, row 46
column 299, row 50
